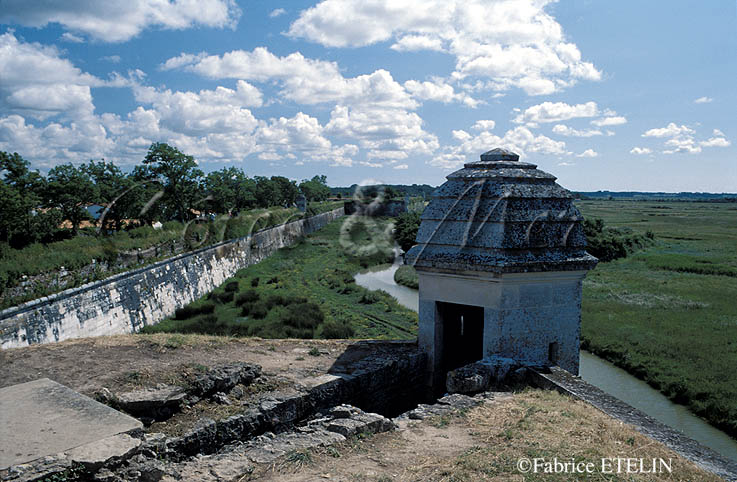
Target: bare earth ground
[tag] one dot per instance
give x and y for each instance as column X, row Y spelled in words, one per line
column 126, row 362
column 483, row 443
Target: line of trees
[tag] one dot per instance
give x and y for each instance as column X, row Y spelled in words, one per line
column 167, row 185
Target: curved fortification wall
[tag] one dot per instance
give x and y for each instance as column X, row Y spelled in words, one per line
column 128, row 301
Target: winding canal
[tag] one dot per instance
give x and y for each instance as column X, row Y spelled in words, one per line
column 594, row 370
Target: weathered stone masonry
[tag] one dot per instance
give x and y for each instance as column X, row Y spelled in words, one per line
column 128, row 301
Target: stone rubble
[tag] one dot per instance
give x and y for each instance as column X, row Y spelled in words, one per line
column 224, row 378
column 157, row 403
column 240, row 457
column 161, row 402
column 446, row 405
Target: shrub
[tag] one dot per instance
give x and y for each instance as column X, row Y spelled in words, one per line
column 249, row 296
column 347, row 289
column 280, row 300
column 246, row 309
column 231, row 286
column 407, row 276
column 334, row 329
column 190, row 311
column 254, row 282
column 370, row 297
column 609, row 244
column 225, row 297
column 259, row 311
column 303, row 316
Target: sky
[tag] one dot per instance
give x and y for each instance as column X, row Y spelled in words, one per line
column 625, row 95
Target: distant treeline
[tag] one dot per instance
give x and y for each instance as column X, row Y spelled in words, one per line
column 425, row 191
column 657, row 196
column 390, row 190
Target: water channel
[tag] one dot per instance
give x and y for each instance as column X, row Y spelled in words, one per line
column 597, row 372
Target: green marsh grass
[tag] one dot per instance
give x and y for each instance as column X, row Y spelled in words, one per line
column 667, row 314
column 305, row 291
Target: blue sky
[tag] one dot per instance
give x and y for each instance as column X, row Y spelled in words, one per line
column 605, row 95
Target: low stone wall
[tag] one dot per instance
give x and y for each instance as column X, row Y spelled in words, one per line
column 128, row 301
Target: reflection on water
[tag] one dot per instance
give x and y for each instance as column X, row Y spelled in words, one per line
column 382, row 278
column 594, row 370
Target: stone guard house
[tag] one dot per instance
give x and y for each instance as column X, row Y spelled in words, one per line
column 501, row 256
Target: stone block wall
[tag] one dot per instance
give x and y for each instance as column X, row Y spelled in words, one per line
column 126, row 302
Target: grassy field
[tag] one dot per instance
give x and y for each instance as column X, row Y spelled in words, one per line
column 305, row 291
column 668, row 314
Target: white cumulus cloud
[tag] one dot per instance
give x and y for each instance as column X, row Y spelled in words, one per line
column 555, row 112
column 671, row 130
column 483, row 125
column 640, row 150
column 38, row 81
column 703, row 100
column 685, row 144
column 303, row 80
column 609, row 121
column 588, row 153
column 221, row 110
column 564, row 130
column 70, row 37
column 382, row 129
column 409, row 43
column 515, row 43
column 681, row 139
column 519, row 139
column 715, row 142
column 120, row 20
column 438, row 91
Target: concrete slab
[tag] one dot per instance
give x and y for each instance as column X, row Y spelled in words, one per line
column 94, row 455
column 42, row 418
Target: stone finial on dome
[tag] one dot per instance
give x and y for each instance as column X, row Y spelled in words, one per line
column 499, row 154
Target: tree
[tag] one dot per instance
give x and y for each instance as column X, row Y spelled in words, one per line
column 391, row 193
column 405, row 229
column 20, row 197
column 111, row 186
column 143, row 200
column 316, row 189
column 246, row 194
column 179, row 175
column 267, row 192
column 288, row 190
column 229, row 189
column 70, row 189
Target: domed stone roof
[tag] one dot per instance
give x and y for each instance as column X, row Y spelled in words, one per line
column 504, row 216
